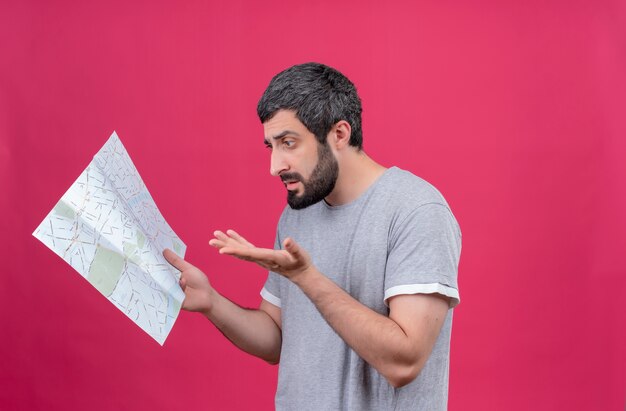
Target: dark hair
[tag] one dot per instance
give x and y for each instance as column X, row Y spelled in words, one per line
column 320, row 96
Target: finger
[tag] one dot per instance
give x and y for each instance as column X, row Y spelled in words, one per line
column 220, row 235
column 292, row 247
column 253, row 254
column 175, row 260
column 216, row 243
column 236, row 236
column 269, row 266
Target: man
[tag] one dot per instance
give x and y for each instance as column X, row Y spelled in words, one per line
column 358, row 303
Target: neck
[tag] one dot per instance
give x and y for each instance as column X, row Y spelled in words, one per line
column 357, row 172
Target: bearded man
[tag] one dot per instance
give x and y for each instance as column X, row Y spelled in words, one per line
column 357, row 307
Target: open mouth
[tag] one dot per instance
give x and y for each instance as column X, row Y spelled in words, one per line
column 291, row 184
column 291, row 180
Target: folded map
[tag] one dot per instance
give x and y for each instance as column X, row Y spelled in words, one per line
column 108, row 228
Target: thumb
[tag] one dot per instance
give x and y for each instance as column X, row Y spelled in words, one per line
column 292, row 247
column 175, row 260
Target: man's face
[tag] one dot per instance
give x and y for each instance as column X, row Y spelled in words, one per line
column 308, row 169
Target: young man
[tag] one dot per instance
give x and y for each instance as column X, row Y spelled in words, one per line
column 358, row 303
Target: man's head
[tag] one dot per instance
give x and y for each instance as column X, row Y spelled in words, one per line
column 319, row 95
column 304, row 101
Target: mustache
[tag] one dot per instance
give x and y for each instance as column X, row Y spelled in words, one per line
column 291, row 177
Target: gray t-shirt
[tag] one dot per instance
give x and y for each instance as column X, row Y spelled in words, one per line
column 399, row 237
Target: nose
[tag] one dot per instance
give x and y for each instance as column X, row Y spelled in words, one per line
column 277, row 164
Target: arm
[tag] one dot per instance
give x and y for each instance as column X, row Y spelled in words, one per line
column 397, row 346
column 256, row 332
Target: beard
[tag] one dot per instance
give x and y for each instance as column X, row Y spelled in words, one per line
column 319, row 185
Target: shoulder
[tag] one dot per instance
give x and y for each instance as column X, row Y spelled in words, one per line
column 411, row 198
column 404, row 188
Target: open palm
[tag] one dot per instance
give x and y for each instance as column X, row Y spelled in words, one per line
column 289, row 262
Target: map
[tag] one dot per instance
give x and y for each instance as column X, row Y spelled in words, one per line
column 108, row 228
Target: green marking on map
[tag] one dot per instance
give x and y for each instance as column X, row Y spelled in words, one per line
column 141, row 239
column 105, row 270
column 130, row 252
column 64, row 210
column 175, row 306
column 177, row 248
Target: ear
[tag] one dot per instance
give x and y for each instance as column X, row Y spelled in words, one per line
column 339, row 135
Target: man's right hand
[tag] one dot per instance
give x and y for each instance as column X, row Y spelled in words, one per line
column 198, row 290
column 257, row 332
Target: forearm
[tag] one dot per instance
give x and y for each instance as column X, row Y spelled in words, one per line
column 253, row 331
column 374, row 337
column 397, row 346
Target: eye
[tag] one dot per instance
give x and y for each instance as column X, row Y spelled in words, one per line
column 288, row 143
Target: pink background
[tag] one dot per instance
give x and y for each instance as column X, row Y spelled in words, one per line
column 515, row 110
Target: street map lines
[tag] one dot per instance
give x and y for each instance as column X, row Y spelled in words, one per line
column 108, row 228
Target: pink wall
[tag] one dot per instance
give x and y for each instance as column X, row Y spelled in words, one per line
column 516, row 111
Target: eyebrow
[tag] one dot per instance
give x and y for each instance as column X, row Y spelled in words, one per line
column 281, row 135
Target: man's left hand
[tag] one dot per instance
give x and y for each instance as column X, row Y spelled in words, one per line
column 292, row 261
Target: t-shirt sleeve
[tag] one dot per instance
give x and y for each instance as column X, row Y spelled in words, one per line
column 271, row 290
column 424, row 251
